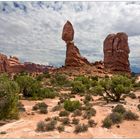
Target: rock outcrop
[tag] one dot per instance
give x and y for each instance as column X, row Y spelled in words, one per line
column 73, row 57
column 4, row 63
column 13, row 65
column 116, row 53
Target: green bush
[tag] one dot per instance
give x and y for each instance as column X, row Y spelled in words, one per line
column 9, row 96
column 44, row 75
column 48, row 93
column 119, row 108
column 95, row 78
column 129, row 115
column 60, row 80
column 64, row 113
column 78, row 87
column 28, row 86
column 71, row 105
column 112, row 89
column 107, row 122
column 84, row 80
column 80, row 128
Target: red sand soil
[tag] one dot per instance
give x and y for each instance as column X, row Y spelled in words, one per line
column 25, row 127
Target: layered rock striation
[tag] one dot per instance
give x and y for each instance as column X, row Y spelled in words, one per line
column 116, row 53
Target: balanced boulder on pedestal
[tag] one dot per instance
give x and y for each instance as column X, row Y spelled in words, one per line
column 73, row 56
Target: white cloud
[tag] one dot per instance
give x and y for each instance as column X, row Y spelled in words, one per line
column 32, row 31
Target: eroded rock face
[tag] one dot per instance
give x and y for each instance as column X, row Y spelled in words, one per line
column 13, row 65
column 4, row 64
column 73, row 57
column 116, row 52
column 68, row 32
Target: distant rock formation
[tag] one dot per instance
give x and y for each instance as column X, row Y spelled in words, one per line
column 13, row 65
column 116, row 53
column 4, row 63
column 73, row 57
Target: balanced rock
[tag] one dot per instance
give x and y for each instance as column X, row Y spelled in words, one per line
column 116, row 52
column 73, row 57
column 68, row 32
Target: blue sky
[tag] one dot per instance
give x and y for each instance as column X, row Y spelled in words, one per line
column 32, row 30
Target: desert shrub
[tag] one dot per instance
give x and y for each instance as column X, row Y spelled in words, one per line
column 98, row 90
column 89, row 113
column 77, row 112
column 119, row 108
column 75, row 121
column 60, row 128
column 42, row 107
column 49, row 127
column 136, row 85
column 95, row 78
column 65, row 121
column 80, row 128
column 56, row 118
column 71, row 105
column 129, row 115
column 28, row 85
column 60, row 80
column 21, row 107
column 91, row 123
column 48, row 93
column 94, row 83
column 132, row 96
column 47, row 119
column 107, row 122
column 88, row 97
column 43, row 110
column 41, row 126
column 138, row 106
column 44, row 75
column 112, row 89
column 116, row 117
column 9, row 96
column 84, row 80
column 78, row 87
column 56, row 108
column 64, row 113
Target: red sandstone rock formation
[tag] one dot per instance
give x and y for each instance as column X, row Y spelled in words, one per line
column 4, row 64
column 73, row 57
column 13, row 61
column 116, row 52
column 13, row 65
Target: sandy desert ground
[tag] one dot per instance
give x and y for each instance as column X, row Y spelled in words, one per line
column 25, row 127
